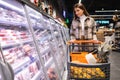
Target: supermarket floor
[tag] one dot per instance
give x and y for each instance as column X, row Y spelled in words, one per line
column 115, row 65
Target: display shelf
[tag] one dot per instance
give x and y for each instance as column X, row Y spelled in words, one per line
column 5, row 46
column 37, row 76
column 19, row 67
column 12, row 23
column 117, row 31
column 49, row 63
column 42, row 39
column 45, row 50
column 117, row 39
column 22, row 44
column 26, row 41
column 23, row 64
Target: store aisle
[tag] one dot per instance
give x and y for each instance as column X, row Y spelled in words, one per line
column 115, row 65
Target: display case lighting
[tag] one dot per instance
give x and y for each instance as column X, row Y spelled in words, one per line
column 2, row 2
column 32, row 15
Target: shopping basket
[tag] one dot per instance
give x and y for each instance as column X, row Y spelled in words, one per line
column 77, row 71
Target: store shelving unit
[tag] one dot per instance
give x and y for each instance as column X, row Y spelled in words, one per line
column 32, row 42
column 117, row 38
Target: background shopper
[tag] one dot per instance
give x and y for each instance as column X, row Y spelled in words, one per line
column 83, row 26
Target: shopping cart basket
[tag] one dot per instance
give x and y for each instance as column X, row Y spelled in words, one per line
column 77, row 71
column 84, row 71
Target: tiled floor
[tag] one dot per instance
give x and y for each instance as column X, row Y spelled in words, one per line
column 115, row 65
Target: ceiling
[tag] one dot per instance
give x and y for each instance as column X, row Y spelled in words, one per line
column 92, row 6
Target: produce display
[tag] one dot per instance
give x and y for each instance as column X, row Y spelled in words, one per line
column 88, row 73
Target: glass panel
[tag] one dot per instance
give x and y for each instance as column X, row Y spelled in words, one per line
column 52, row 74
column 16, row 41
column 57, row 49
column 43, row 36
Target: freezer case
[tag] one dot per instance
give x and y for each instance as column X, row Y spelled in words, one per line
column 58, row 46
column 31, row 42
column 46, row 43
column 17, row 44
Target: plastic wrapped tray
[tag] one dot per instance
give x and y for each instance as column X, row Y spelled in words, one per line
column 78, row 56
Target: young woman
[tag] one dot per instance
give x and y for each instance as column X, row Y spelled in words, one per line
column 83, row 26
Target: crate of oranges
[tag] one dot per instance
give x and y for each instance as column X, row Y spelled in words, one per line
column 80, row 71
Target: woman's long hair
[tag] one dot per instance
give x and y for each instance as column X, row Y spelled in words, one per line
column 81, row 6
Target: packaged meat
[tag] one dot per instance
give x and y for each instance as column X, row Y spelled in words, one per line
column 26, row 74
column 3, row 38
column 51, row 74
column 6, row 53
column 11, row 61
column 2, row 34
column 27, row 48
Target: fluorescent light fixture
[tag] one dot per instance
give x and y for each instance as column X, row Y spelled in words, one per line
column 35, row 16
column 3, row 2
column 64, row 13
column 80, row 1
column 33, row 13
column 107, row 11
column 102, row 15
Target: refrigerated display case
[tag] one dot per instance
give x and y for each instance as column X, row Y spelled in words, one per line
column 58, row 49
column 32, row 42
column 16, row 41
column 43, row 39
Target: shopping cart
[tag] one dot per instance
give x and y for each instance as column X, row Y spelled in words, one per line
column 78, row 67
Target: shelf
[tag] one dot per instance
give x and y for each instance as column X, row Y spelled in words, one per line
column 49, row 62
column 15, row 44
column 17, row 67
column 37, row 76
column 117, row 31
column 9, row 45
column 23, row 64
column 42, row 39
column 26, row 41
column 117, row 36
column 17, row 20
column 45, row 51
column 12, row 23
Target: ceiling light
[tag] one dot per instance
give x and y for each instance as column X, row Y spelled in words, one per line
column 80, row 1
column 107, row 11
column 2, row 2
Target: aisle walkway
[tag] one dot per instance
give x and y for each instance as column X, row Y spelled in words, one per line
column 115, row 65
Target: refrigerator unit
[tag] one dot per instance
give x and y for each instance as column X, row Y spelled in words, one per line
column 32, row 43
